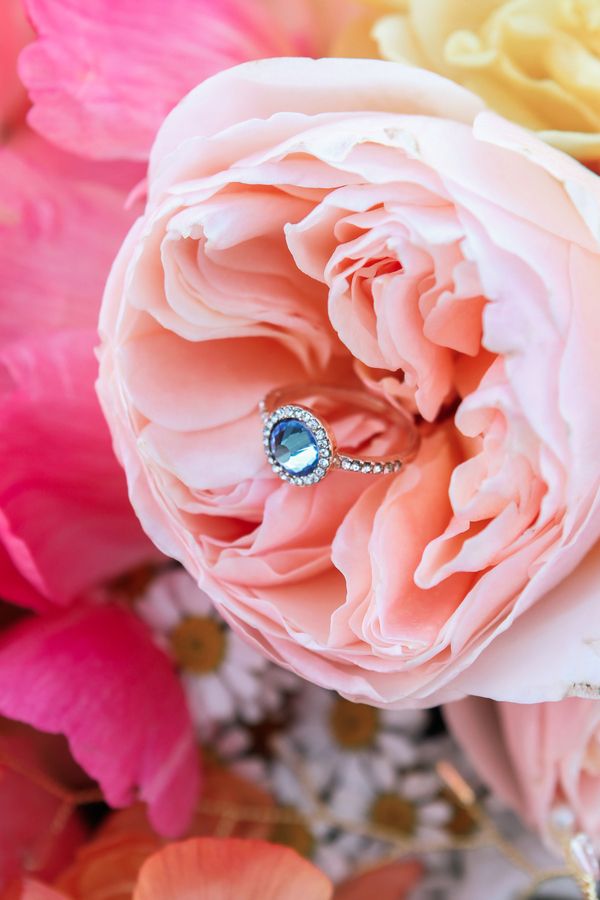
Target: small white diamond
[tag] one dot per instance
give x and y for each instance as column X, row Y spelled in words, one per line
column 355, row 467
column 346, row 464
column 366, row 468
column 319, row 472
column 389, row 468
column 377, row 468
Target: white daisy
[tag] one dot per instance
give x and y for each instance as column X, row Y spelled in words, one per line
column 340, row 741
column 363, row 765
column 409, row 807
column 224, row 678
column 330, row 848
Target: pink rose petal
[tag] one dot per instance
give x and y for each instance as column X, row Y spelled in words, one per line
column 94, row 675
column 102, row 76
column 65, row 519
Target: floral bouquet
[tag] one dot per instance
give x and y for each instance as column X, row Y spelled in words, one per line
column 300, row 449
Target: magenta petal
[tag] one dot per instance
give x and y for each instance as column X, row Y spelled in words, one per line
column 65, row 518
column 61, row 222
column 93, row 674
column 103, row 75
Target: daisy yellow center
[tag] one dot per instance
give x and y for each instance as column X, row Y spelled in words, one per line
column 354, row 725
column 198, row 644
column 294, row 834
column 394, row 813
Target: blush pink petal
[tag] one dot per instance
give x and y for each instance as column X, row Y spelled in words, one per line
column 93, row 674
column 553, row 646
column 254, row 90
column 536, row 757
column 102, row 76
column 395, row 615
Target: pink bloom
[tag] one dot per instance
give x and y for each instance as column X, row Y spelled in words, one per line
column 537, row 757
column 65, row 519
column 351, row 221
column 102, row 76
column 94, row 675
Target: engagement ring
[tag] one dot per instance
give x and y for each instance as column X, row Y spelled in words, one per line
column 300, row 444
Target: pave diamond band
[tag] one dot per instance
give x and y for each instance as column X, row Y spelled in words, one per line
column 299, row 442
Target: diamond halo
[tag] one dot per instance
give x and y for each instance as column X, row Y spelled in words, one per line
column 319, row 432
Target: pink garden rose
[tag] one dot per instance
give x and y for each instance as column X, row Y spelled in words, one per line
column 538, row 758
column 362, row 223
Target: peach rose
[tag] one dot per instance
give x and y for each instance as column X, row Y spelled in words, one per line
column 364, row 223
column 538, row 758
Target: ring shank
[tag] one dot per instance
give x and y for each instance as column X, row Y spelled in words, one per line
column 361, row 399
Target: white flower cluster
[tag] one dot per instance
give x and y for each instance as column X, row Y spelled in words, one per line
column 307, row 746
column 351, row 776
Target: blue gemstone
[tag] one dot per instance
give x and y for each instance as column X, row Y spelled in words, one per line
column 294, row 447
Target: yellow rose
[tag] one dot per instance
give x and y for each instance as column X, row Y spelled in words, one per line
column 534, row 61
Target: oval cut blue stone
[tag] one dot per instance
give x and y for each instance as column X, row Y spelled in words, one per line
column 294, row 447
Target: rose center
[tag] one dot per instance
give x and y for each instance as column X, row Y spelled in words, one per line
column 354, row 725
column 198, row 644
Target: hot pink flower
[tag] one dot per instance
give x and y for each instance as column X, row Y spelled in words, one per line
column 356, row 221
column 102, row 76
column 65, row 519
column 93, row 674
